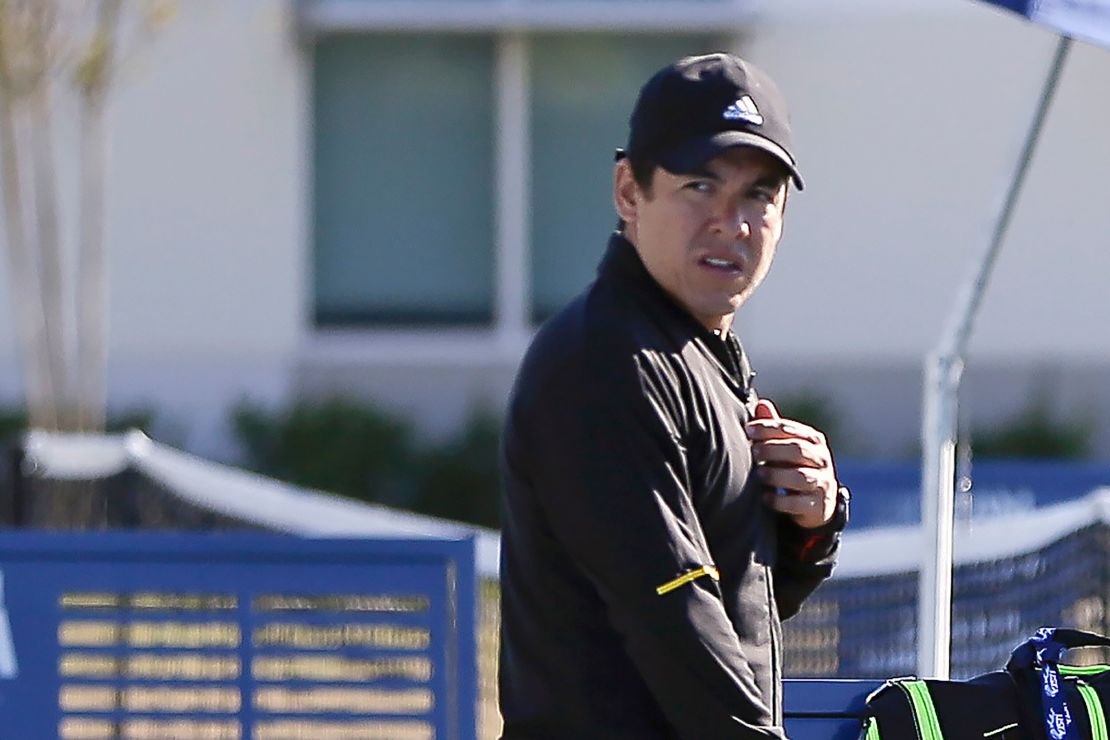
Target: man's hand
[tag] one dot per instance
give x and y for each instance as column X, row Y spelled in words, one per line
column 795, row 464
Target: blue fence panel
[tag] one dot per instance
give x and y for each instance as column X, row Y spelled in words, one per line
column 889, row 493
column 236, row 636
column 821, row 709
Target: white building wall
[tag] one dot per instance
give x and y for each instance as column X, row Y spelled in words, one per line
column 908, row 116
column 909, row 131
column 206, row 220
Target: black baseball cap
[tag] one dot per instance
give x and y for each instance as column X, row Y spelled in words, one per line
column 696, row 108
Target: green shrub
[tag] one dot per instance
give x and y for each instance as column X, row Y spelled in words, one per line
column 459, row 480
column 13, row 421
column 354, row 449
column 1034, row 432
column 338, row 445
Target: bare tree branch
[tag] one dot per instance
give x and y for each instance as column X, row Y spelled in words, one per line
column 51, row 270
column 92, row 288
column 63, row 341
column 30, row 319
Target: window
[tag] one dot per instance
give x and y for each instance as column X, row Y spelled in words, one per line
column 403, row 180
column 583, row 89
column 463, row 172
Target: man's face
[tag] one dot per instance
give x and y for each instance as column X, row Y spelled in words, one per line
column 709, row 237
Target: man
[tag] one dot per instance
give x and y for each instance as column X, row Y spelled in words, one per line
column 659, row 519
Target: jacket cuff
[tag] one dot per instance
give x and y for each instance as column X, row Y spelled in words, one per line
column 817, row 543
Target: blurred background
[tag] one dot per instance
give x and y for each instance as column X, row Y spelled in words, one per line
column 380, row 200
column 313, row 238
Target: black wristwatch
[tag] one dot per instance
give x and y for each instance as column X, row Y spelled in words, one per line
column 843, row 505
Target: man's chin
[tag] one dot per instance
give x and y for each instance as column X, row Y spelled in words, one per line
column 728, row 306
column 717, row 316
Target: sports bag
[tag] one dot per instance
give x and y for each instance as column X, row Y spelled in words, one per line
column 1034, row 698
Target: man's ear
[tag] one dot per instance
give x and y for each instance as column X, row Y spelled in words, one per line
column 626, row 192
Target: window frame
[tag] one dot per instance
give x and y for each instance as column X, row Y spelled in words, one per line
column 499, row 16
column 510, row 22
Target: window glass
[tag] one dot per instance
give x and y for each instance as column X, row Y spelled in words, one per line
column 583, row 89
column 403, row 179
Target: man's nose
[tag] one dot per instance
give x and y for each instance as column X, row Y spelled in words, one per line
column 734, row 222
column 743, row 227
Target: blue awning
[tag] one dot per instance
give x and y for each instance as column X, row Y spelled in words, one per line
column 1087, row 20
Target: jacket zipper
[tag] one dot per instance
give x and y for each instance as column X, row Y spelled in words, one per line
column 776, row 678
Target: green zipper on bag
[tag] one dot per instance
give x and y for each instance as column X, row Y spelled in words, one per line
column 1082, row 670
column 925, row 714
column 1094, row 711
column 871, row 729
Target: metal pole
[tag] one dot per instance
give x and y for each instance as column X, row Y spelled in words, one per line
column 941, row 404
column 934, row 604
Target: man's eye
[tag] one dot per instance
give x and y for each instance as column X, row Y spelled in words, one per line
column 700, row 186
column 764, row 195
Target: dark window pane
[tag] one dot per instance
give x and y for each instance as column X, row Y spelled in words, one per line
column 403, row 179
column 583, row 88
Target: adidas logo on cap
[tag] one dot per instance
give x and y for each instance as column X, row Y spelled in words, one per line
column 744, row 109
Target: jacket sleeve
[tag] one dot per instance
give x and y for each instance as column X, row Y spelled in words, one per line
column 806, row 557
column 606, row 450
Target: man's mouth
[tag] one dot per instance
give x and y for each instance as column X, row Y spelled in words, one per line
column 721, row 264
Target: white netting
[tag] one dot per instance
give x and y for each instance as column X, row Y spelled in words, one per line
column 238, row 495
column 1014, row 573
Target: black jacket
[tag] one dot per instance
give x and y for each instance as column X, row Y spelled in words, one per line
column 626, row 467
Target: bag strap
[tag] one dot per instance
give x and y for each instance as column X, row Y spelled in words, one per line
column 1042, row 653
column 870, row 730
column 921, row 702
column 1094, row 711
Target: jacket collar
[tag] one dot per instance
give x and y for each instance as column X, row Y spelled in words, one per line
column 622, row 265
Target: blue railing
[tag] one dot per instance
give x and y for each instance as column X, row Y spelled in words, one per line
column 236, row 636
column 825, row 709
